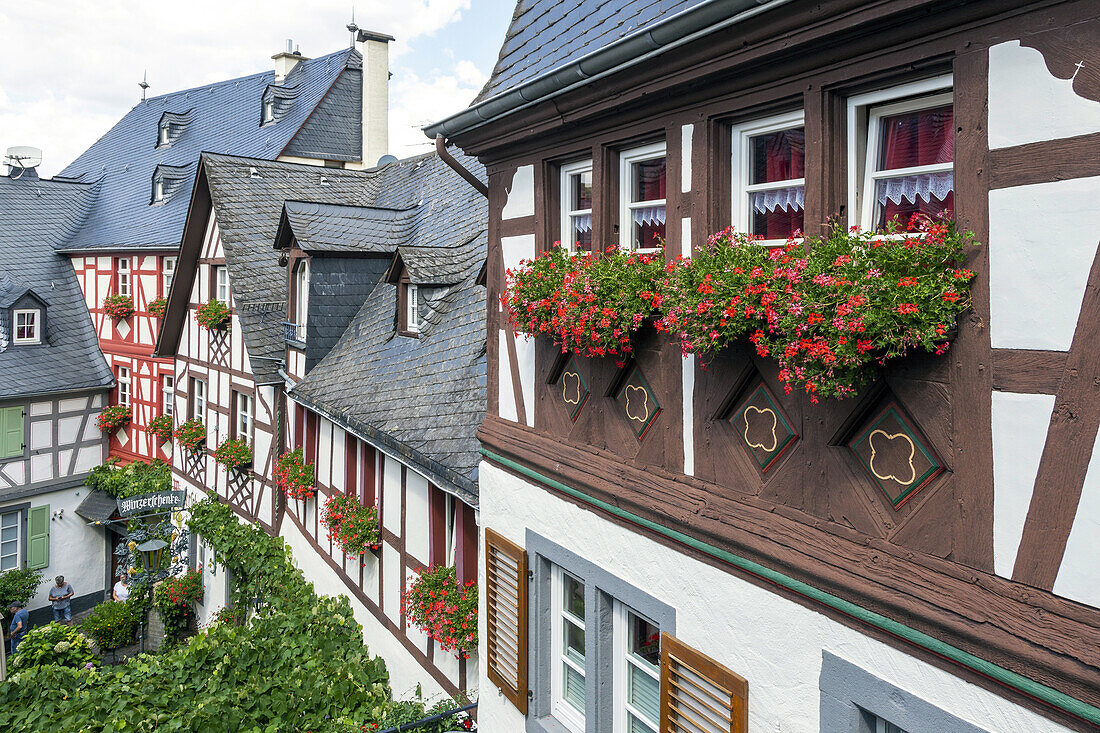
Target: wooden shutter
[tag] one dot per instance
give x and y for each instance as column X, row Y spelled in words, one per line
column 699, row 695
column 38, row 537
column 506, row 622
column 11, row 432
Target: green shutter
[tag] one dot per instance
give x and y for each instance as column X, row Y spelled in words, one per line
column 11, row 432
column 38, row 537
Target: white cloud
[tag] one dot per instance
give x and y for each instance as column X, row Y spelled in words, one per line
column 415, row 102
column 71, row 70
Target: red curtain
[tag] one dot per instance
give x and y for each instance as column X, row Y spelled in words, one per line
column 778, row 156
column 917, row 138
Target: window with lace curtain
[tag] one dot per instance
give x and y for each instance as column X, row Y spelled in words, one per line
column 642, row 197
column 576, row 206
column 902, row 144
column 769, row 184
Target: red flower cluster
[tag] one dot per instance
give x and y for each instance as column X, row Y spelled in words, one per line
column 294, row 476
column 161, row 426
column 352, row 526
column 114, row 417
column 179, row 591
column 589, row 302
column 157, row 307
column 443, row 609
column 191, row 435
column 233, row 453
column 118, row 306
column 212, row 314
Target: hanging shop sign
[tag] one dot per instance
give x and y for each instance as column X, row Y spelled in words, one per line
column 160, row 501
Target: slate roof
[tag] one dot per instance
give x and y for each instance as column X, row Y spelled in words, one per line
column 97, row 506
column 547, row 34
column 332, row 228
column 438, row 265
column 222, row 117
column 35, row 217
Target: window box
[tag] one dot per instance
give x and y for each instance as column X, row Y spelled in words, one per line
column 157, row 307
column 234, row 453
column 191, row 435
column 114, row 417
column 295, row 476
column 213, row 314
column 161, row 426
column 118, row 306
column 352, row 527
column 444, row 609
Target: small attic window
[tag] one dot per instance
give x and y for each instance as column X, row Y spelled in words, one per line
column 158, row 190
column 162, row 134
column 408, row 316
column 268, row 111
column 28, row 326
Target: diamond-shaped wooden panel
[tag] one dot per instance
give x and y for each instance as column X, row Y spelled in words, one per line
column 572, row 389
column 638, row 402
column 762, row 427
column 895, row 454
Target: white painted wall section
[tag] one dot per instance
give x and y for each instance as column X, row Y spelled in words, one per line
column 687, row 378
column 1079, row 575
column 686, row 133
column 1042, row 241
column 1028, row 104
column 506, row 398
column 520, row 199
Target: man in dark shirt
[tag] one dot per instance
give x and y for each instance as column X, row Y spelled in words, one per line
column 59, row 596
column 20, row 622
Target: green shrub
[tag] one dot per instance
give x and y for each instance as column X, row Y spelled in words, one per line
column 173, row 598
column 18, row 584
column 137, row 478
column 53, row 644
column 110, row 625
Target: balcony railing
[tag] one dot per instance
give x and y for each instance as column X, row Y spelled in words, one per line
column 294, row 333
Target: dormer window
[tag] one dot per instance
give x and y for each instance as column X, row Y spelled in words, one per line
column 28, row 326
column 301, row 300
column 412, row 309
column 269, row 111
column 162, row 134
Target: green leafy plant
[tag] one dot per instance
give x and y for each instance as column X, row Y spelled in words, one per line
column 55, row 644
column 132, row 479
column 174, row 599
column 233, row 453
column 295, row 476
column 352, row 526
column 235, row 616
column 443, row 608
column 158, row 306
column 110, row 625
column 191, row 435
column 160, row 426
column 589, row 302
column 411, row 711
column 212, row 314
column 17, row 584
column 114, row 417
column 118, row 306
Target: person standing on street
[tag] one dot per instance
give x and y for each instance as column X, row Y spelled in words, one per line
column 59, row 596
column 121, row 591
column 20, row 622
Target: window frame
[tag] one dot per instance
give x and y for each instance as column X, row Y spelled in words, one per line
column 450, row 511
column 621, row 675
column 301, row 298
column 267, row 111
column 158, row 190
column 898, row 98
column 564, row 196
column 563, row 710
column 627, row 159
column 19, row 512
column 162, row 134
column 221, row 281
column 740, row 169
column 167, row 273
column 196, row 400
column 123, row 283
column 412, row 308
column 36, row 314
column 168, row 394
column 244, row 420
column 124, row 390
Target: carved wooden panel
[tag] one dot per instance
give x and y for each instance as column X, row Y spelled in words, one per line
column 762, row 426
column 895, row 454
column 638, row 402
column 573, row 388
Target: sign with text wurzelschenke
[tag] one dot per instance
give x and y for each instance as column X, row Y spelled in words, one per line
column 160, row 501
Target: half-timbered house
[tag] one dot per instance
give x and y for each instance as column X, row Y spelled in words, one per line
column 328, row 111
column 679, row 574
column 384, row 417
column 53, row 384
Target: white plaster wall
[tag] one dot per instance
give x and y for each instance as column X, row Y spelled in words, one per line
column 1020, row 424
column 77, row 550
column 772, row 642
column 686, row 133
column 520, row 199
column 391, row 505
column 1042, row 241
column 1028, row 104
column 1079, row 575
column 416, row 515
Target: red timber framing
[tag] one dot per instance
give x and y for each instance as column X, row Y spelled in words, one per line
column 814, row 515
column 128, row 343
column 414, row 525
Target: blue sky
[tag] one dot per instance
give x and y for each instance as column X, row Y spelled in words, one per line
column 71, row 69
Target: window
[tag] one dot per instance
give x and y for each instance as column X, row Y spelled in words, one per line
column 567, row 675
column 124, row 386
column 506, row 617
column 221, row 283
column 158, row 189
column 901, row 153
column 162, row 134
column 11, row 530
column 451, row 510
column 412, row 308
column 301, row 299
column 884, row 726
column 269, row 111
column 576, row 206
column 198, row 399
column 642, row 195
column 769, row 178
column 167, row 273
column 168, row 401
column 11, row 432
column 123, row 276
column 27, row 329
column 242, row 421
column 638, row 672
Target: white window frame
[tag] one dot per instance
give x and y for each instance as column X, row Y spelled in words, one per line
column 162, row 134
column 268, row 110
column 741, row 169
column 198, row 400
column 125, row 385
column 623, row 662
column 450, row 508
column 221, row 284
column 565, row 195
column 627, row 159
column 412, row 308
column 865, row 112
column 18, row 514
column 561, row 709
column 301, row 299
column 35, row 324
column 168, row 274
column 158, row 189
column 124, row 284
column 168, row 394
column 245, row 418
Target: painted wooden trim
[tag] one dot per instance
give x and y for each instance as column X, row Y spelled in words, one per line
column 1045, row 162
column 1028, row 371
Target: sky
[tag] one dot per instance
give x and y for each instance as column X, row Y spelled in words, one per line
column 71, row 69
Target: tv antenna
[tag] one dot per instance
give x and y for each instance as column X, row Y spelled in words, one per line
column 144, row 84
column 352, row 28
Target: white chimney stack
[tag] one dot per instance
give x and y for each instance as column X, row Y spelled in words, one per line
column 376, row 95
column 286, row 60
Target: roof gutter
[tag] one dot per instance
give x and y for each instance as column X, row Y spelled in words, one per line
column 631, row 50
column 441, row 151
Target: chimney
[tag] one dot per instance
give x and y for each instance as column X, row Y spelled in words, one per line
column 286, row 60
column 376, row 95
